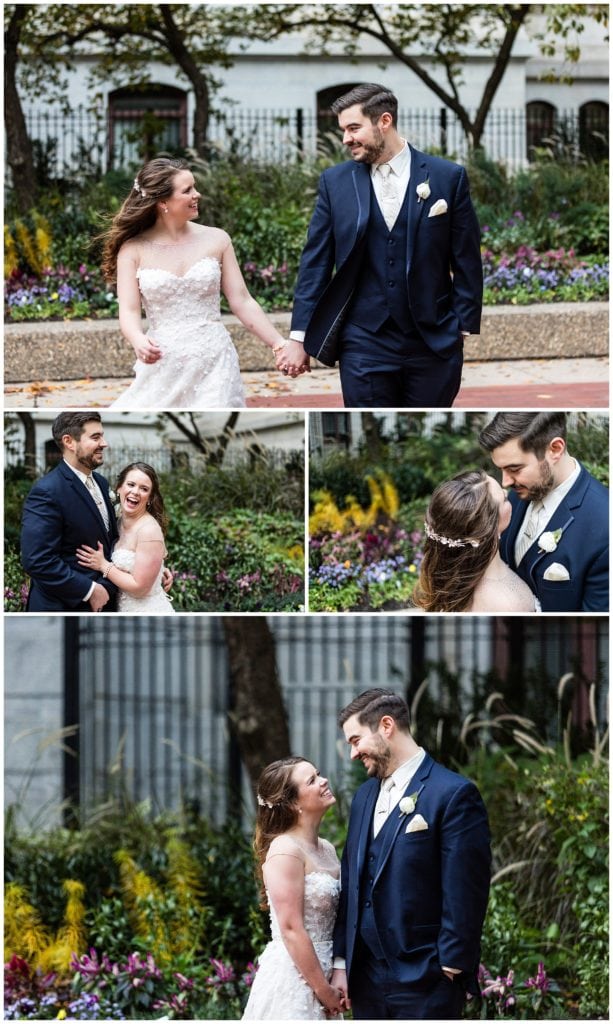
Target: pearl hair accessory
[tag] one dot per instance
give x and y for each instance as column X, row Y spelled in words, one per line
column 449, row 541
column 139, row 189
column 264, row 803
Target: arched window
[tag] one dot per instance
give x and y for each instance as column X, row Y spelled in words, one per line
column 594, row 130
column 146, row 121
column 540, row 125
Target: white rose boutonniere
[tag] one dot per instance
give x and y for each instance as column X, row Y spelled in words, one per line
column 549, row 541
column 408, row 803
column 423, row 191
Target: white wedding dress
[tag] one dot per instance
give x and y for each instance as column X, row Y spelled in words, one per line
column 199, row 367
column 279, row 992
column 156, row 602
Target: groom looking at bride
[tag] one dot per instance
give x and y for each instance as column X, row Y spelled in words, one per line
column 414, row 877
column 390, row 279
column 558, row 536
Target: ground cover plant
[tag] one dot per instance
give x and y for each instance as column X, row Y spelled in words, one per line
column 544, row 232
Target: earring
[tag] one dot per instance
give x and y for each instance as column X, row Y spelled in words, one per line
column 165, row 209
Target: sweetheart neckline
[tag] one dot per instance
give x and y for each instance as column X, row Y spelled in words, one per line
column 180, row 277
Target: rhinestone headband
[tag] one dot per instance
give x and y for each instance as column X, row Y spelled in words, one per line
column 139, row 189
column 451, row 542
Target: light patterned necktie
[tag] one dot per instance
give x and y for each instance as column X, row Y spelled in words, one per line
column 384, row 800
column 530, row 531
column 97, row 496
column 389, row 199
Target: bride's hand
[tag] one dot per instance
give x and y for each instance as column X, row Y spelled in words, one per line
column 147, row 350
column 90, row 558
column 332, row 999
column 292, row 359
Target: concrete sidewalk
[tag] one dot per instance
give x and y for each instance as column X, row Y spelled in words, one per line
column 507, row 384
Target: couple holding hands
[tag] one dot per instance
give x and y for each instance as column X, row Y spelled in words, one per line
column 389, row 285
column 392, row 931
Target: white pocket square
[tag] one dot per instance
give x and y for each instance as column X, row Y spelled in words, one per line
column 417, row 824
column 556, row 573
column 440, row 206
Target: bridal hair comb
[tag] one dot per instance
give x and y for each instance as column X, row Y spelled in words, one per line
column 449, row 541
column 139, row 189
column 264, row 803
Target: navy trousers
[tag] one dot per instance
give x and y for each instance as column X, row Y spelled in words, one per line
column 376, row 995
column 392, row 369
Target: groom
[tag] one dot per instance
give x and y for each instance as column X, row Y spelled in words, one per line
column 558, row 537
column 414, row 877
column 390, row 280
column 68, row 507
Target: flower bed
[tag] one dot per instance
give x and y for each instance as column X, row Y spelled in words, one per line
column 527, row 276
column 58, row 293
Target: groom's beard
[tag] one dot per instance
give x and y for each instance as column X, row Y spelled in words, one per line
column 379, row 759
column 541, row 489
column 369, row 151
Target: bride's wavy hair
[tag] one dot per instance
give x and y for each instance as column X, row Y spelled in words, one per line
column 461, row 510
column 152, row 184
column 276, row 813
column 155, row 505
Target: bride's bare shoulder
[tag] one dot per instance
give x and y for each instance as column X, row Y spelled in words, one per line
column 490, row 596
column 285, row 845
column 216, row 238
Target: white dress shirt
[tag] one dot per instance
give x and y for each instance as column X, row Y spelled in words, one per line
column 550, row 503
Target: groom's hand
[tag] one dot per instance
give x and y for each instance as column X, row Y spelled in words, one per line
column 99, row 598
column 167, row 579
column 339, row 980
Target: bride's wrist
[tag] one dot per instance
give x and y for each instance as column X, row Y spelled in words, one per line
column 106, row 570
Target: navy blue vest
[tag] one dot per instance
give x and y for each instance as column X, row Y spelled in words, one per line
column 368, row 928
column 381, row 288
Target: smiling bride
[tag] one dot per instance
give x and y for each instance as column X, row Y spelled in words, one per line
column 137, row 560
column 176, row 269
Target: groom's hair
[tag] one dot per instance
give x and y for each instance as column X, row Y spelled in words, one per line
column 373, row 99
column 372, row 705
column 72, row 423
column 534, row 431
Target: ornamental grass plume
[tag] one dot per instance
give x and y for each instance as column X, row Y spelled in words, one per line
column 143, row 899
column 71, row 938
column 11, row 256
column 327, row 518
column 25, row 934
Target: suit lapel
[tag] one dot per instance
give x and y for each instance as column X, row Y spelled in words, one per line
column 361, row 183
column 392, row 827
column 365, row 825
column 82, row 494
column 415, row 209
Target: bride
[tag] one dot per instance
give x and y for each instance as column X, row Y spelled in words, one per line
column 300, row 877
column 176, row 268
column 462, row 570
column 137, row 560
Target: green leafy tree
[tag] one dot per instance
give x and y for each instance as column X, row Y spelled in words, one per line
column 424, row 36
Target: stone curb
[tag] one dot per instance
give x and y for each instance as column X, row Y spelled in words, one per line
column 72, row 350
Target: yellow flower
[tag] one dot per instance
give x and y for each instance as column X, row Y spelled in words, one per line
column 61, row 1015
column 55, row 295
column 347, row 564
column 412, row 567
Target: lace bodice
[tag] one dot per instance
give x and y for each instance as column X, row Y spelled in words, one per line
column 279, row 992
column 199, row 367
column 321, row 895
column 156, row 602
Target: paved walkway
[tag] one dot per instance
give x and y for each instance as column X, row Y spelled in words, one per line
column 509, row 384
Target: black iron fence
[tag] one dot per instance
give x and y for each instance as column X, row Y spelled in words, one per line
column 82, row 142
column 151, row 697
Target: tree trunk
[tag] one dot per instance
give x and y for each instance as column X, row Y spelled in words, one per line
column 371, row 427
column 177, row 47
column 29, row 457
column 18, row 145
column 257, row 713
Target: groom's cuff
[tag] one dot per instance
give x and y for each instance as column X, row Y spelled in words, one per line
column 339, row 963
column 297, row 336
column 89, row 592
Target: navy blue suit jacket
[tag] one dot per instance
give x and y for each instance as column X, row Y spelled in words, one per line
column 583, row 549
column 443, row 259
column 58, row 516
column 431, row 887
